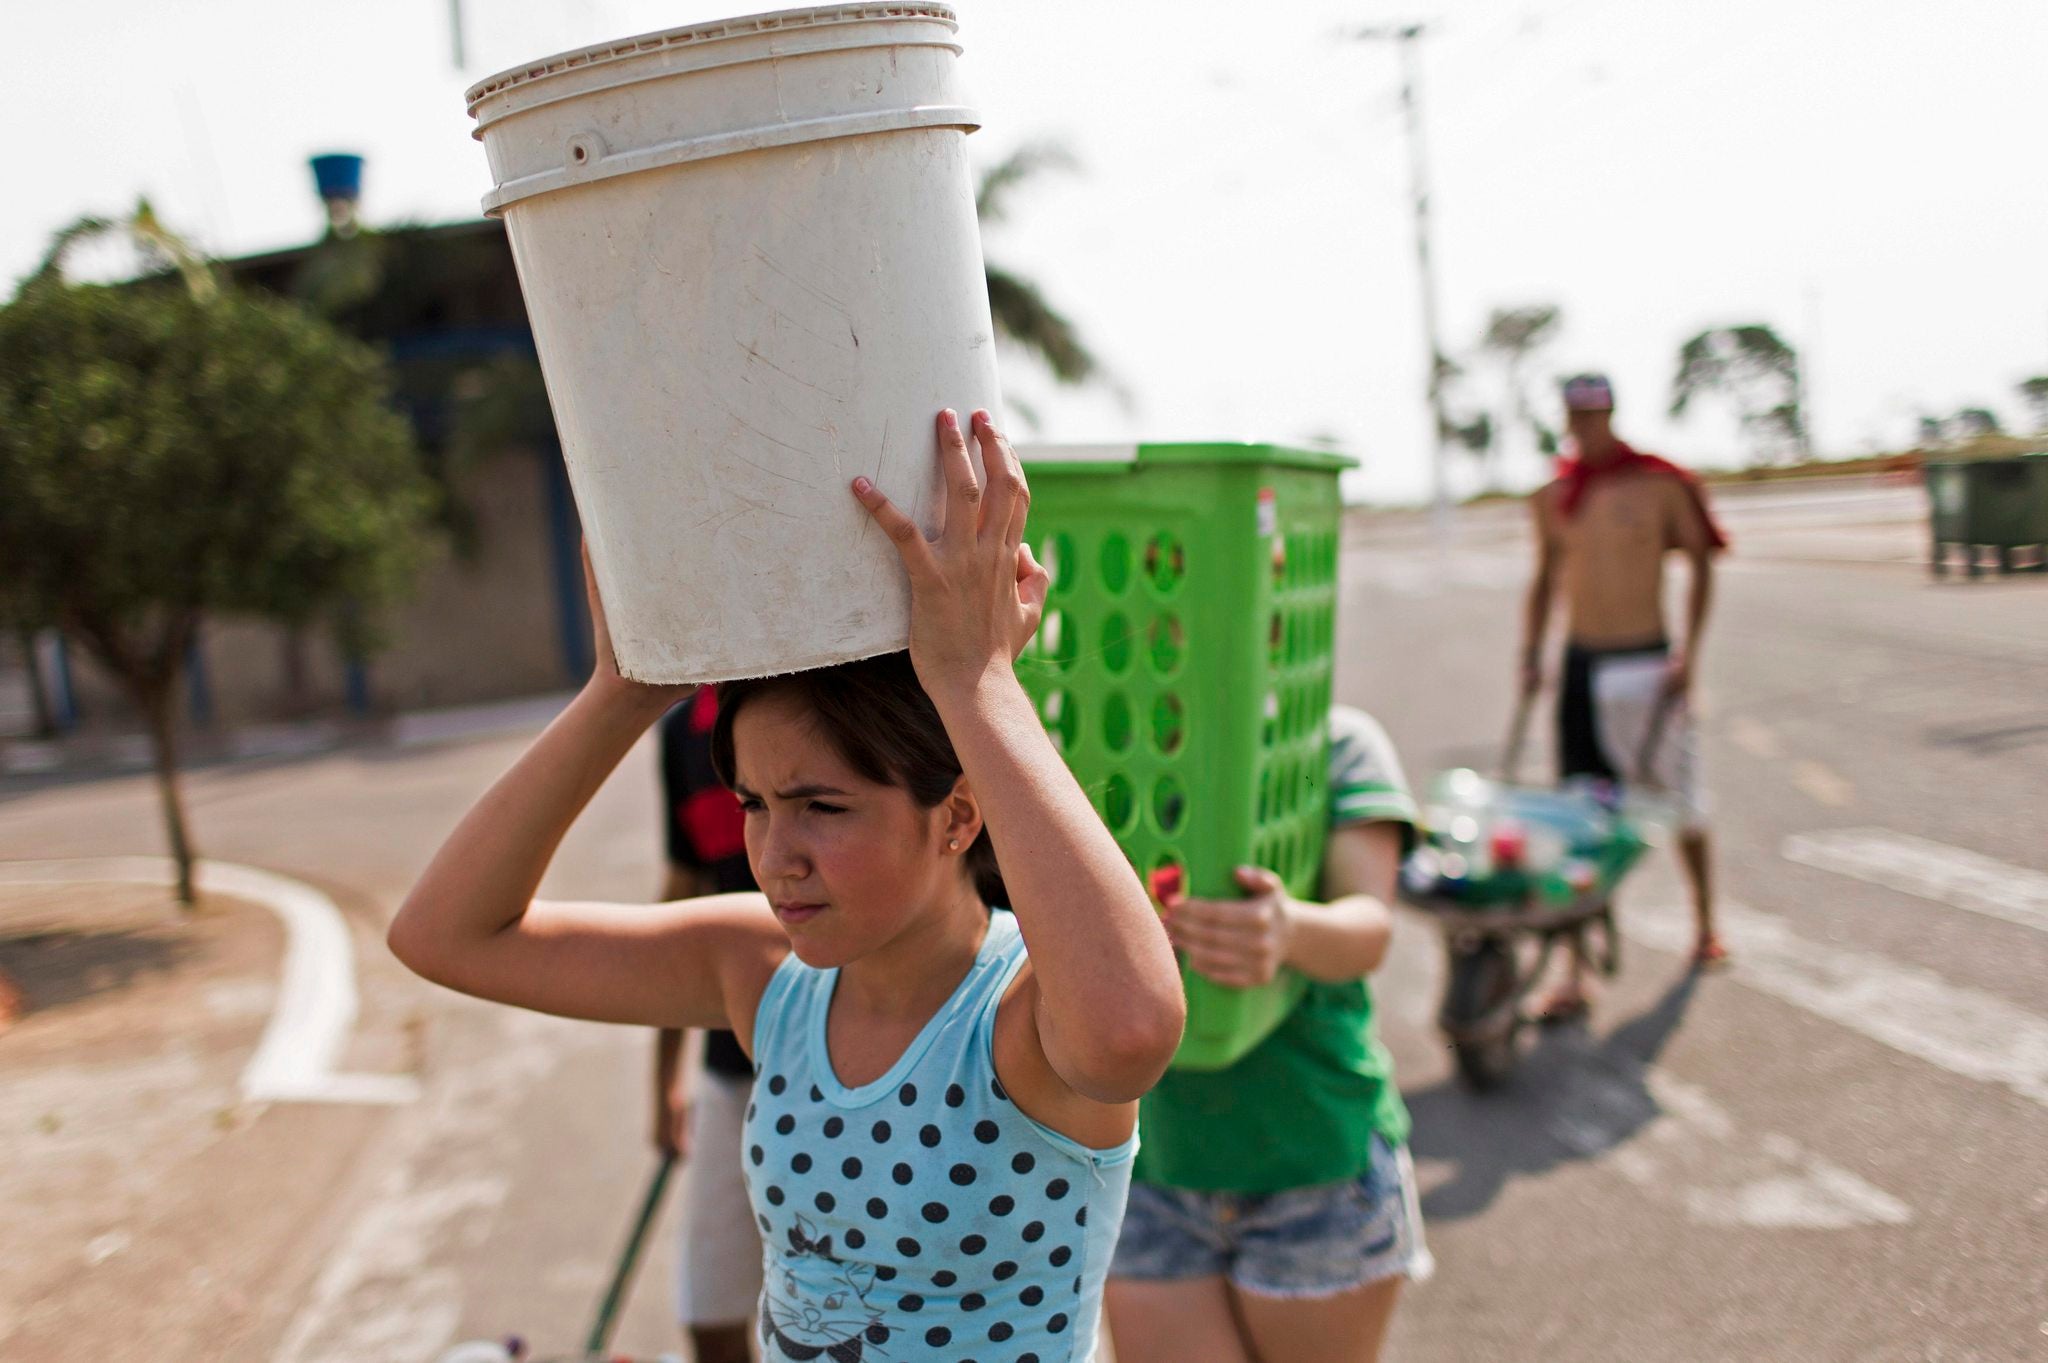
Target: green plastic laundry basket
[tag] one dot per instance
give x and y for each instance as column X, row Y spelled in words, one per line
column 1183, row 669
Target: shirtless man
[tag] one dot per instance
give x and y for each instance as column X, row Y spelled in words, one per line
column 1603, row 528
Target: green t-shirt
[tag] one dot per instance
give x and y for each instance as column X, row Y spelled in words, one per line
column 1302, row 1107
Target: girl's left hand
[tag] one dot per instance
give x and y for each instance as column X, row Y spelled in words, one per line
column 976, row 592
column 1239, row 942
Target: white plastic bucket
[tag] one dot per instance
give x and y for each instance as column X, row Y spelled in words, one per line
column 751, row 261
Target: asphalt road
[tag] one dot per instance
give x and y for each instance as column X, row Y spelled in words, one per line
column 1837, row 1150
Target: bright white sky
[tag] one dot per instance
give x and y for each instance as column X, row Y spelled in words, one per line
column 1866, row 175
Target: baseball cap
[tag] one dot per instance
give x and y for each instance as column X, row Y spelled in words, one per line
column 1588, row 393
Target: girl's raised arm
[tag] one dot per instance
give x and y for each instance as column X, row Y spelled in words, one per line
column 1110, row 1007
column 471, row 922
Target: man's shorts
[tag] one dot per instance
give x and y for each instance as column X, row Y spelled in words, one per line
column 1305, row 1242
column 1614, row 723
column 718, row 1271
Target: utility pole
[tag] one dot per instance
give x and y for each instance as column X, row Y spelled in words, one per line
column 1405, row 37
column 455, row 32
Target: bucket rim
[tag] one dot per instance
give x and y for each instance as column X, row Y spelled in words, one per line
column 717, row 30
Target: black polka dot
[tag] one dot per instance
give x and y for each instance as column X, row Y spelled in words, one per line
column 937, row 1336
column 973, row 1301
column 750, row 1112
column 955, row 1095
column 784, row 1124
column 1033, row 1231
column 1056, row 1189
column 987, row 1131
column 802, row 1163
column 1001, row 1331
column 766, row 1227
column 855, row 1237
column 995, row 1086
column 1023, row 1164
column 901, row 1173
column 777, row 1085
column 878, row 1334
column 973, row 1244
column 935, row 1212
column 1027, row 1358
column 833, row 1126
column 850, row 1167
column 881, row 1132
column 877, row 1208
column 1032, row 1295
column 929, row 1136
column 910, row 1301
column 816, row 1096
column 885, row 1272
column 909, row 1248
column 1081, row 1217
column 1002, row 1205
column 945, row 1277
column 1077, row 1285
column 825, row 1202
column 1060, row 1256
column 961, row 1174
column 774, row 1196
column 907, row 1095
column 755, row 1155
column 1057, row 1323
column 1005, row 1271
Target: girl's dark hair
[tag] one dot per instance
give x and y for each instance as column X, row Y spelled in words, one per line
column 878, row 718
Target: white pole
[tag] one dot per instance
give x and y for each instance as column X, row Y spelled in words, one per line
column 1406, row 36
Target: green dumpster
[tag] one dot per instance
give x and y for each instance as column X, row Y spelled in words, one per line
column 1999, row 504
column 1183, row 669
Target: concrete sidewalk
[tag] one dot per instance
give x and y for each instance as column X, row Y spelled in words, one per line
column 90, row 755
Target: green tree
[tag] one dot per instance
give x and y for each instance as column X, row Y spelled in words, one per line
column 1758, row 372
column 174, row 450
column 1512, row 336
column 1019, row 307
column 2034, row 392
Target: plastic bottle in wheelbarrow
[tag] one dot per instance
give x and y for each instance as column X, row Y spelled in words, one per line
column 1487, row 843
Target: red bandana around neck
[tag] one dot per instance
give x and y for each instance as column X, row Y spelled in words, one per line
column 1578, row 476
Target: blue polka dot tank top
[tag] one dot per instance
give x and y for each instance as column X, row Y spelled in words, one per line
column 922, row 1218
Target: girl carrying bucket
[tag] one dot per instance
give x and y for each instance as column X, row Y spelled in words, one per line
column 939, row 1146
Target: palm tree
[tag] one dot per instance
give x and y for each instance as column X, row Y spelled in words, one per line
column 1512, row 336
column 1758, row 371
column 2034, row 392
column 1017, row 304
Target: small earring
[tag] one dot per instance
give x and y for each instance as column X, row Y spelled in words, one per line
column 953, row 843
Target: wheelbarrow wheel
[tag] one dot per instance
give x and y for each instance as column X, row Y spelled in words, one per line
column 1480, row 1015
column 1608, row 957
column 1486, row 1065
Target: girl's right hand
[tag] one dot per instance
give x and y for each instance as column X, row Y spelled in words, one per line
column 976, row 592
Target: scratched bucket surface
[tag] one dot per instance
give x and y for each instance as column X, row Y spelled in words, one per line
column 751, row 262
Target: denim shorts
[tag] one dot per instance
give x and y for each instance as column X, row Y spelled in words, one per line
column 1305, row 1242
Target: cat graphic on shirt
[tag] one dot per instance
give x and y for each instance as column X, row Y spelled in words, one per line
column 841, row 1326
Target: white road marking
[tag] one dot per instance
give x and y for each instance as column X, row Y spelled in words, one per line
column 1964, row 1031
column 1822, row 784
column 316, row 999
column 1929, row 870
column 1676, row 1144
column 387, row 1290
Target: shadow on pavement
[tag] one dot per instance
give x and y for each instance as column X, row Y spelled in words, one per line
column 1491, row 1138
column 59, row 967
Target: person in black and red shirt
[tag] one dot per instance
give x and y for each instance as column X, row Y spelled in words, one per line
column 718, row 1277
